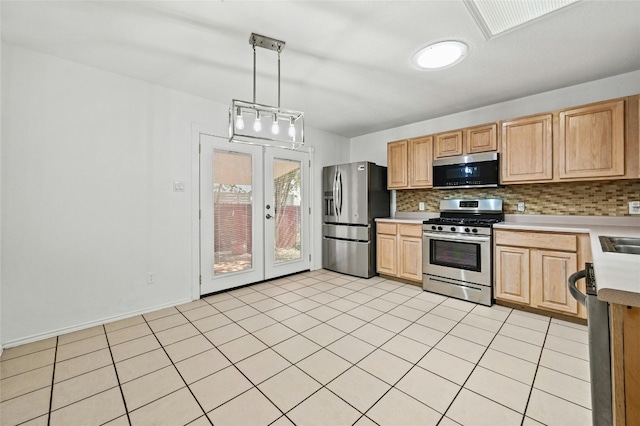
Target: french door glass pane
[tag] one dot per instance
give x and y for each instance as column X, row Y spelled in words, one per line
column 232, row 198
column 287, row 177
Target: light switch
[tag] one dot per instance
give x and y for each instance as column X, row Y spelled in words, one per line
column 178, row 186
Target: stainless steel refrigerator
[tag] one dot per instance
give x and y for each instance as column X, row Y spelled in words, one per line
column 354, row 195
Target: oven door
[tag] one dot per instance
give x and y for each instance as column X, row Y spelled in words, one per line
column 458, row 257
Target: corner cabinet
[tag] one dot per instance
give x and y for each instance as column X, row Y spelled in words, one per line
column 532, row 269
column 409, row 163
column 527, row 149
column 399, row 250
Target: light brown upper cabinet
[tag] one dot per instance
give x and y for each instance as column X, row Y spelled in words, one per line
column 420, row 162
column 591, row 141
column 527, row 149
column 448, row 144
column 409, row 163
column 397, row 165
column 466, row 141
column 481, row 138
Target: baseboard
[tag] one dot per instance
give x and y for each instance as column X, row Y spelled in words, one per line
column 61, row 331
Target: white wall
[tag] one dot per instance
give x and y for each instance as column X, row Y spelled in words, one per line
column 373, row 147
column 0, row 186
column 88, row 161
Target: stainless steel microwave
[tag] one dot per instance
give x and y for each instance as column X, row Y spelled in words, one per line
column 469, row 171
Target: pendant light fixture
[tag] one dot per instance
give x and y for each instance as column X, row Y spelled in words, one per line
column 255, row 134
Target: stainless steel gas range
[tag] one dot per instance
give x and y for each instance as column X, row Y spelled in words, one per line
column 457, row 254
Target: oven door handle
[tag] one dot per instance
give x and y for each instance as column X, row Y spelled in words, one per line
column 448, row 237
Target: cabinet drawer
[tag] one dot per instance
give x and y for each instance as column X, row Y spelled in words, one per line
column 387, row 228
column 410, row 230
column 541, row 240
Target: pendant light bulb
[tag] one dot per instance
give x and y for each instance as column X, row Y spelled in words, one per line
column 292, row 128
column 275, row 127
column 257, row 125
column 239, row 119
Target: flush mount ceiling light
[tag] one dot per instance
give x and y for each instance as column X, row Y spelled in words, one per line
column 440, row 55
column 255, row 133
column 497, row 17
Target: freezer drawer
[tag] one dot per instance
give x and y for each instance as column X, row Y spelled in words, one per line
column 347, row 232
column 348, row 257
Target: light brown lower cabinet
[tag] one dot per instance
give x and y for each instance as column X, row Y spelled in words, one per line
column 625, row 360
column 532, row 269
column 399, row 250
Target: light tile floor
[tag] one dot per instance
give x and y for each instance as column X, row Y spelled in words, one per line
column 314, row 348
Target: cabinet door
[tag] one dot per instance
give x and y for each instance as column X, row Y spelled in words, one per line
column 526, row 149
column 410, row 258
column 591, row 141
column 386, row 250
column 448, row 144
column 421, row 162
column 482, row 139
column 512, row 274
column 550, row 271
column 397, row 165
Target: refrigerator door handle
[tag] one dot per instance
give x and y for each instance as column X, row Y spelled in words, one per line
column 339, row 193
column 335, row 193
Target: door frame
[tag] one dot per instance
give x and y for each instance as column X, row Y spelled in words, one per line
column 196, row 130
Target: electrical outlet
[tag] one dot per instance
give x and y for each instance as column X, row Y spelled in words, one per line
column 151, row 278
column 521, row 206
column 420, row 206
column 634, row 207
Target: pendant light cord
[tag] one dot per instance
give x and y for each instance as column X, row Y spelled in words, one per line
column 254, row 73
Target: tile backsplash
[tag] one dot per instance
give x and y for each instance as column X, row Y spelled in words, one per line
column 594, row 198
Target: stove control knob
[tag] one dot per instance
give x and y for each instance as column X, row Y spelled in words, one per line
column 453, row 229
column 433, row 227
column 467, row 230
column 439, row 228
column 474, row 230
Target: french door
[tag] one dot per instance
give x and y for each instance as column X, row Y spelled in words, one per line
column 254, row 218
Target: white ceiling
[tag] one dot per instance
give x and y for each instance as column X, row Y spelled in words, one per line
column 346, row 64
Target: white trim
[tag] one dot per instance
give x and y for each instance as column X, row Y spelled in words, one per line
column 78, row 327
column 195, row 211
column 196, row 131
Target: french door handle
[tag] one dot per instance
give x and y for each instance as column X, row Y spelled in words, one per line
column 268, row 216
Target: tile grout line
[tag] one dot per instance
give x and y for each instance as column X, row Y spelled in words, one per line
column 535, row 374
column 177, row 371
column 53, row 377
column 474, row 368
column 323, row 386
column 115, row 369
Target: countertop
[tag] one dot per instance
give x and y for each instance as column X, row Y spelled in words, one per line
column 398, row 220
column 617, row 274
